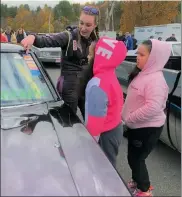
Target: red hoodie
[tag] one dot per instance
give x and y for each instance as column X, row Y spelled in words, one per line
column 104, row 96
column 3, row 38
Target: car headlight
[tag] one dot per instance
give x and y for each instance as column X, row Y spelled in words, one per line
column 45, row 54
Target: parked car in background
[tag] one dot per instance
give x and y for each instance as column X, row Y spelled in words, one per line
column 45, row 148
column 48, row 55
column 171, row 134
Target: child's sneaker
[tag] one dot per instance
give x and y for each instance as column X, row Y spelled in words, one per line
column 139, row 193
column 132, row 185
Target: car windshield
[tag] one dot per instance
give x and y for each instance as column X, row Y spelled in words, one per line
column 177, row 49
column 21, row 81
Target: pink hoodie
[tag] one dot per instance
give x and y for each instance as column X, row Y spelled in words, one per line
column 148, row 92
column 104, row 96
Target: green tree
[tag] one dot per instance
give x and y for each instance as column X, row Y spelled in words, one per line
column 76, row 10
column 65, row 9
column 38, row 9
column 26, row 6
column 179, row 7
column 4, row 10
column 12, row 11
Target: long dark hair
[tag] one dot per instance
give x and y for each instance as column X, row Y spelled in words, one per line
column 92, row 46
column 136, row 70
column 95, row 34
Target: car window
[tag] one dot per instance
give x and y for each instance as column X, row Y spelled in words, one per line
column 177, row 49
column 22, row 81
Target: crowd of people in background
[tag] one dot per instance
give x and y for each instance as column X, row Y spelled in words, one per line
column 131, row 42
column 9, row 35
column 128, row 39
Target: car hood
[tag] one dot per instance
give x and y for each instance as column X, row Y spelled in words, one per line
column 46, row 151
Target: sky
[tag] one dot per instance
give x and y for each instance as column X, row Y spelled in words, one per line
column 35, row 3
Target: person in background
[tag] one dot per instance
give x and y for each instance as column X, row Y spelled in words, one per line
column 128, row 41
column 159, row 38
column 10, row 35
column 20, row 35
column 172, row 38
column 134, row 42
column 120, row 37
column 143, row 111
column 13, row 37
column 24, row 33
column 75, row 72
column 3, row 37
column 151, row 37
column 104, row 95
column 117, row 36
column 7, row 33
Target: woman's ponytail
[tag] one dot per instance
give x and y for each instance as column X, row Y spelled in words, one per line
column 95, row 34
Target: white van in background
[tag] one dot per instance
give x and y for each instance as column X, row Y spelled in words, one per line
column 163, row 31
column 111, row 34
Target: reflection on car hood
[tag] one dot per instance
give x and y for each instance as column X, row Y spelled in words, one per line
column 47, row 151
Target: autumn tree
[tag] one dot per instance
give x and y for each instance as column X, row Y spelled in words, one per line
column 23, row 19
column 60, row 24
column 146, row 13
column 117, row 15
column 45, row 20
column 9, row 21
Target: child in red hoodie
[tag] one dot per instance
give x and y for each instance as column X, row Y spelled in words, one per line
column 104, row 96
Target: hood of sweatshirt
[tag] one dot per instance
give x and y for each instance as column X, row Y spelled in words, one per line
column 158, row 57
column 109, row 54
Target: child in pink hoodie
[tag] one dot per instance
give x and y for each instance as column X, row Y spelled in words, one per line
column 104, row 96
column 143, row 111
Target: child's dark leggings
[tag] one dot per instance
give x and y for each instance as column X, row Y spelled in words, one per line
column 140, row 144
column 110, row 142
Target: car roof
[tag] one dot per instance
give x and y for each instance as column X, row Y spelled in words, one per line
column 8, row 47
column 173, row 42
column 133, row 52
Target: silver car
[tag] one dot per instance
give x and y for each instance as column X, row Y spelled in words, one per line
column 48, row 55
column 45, row 148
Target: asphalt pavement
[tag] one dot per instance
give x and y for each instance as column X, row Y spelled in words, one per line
column 164, row 164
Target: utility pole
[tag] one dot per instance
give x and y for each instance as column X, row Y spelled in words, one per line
column 49, row 21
